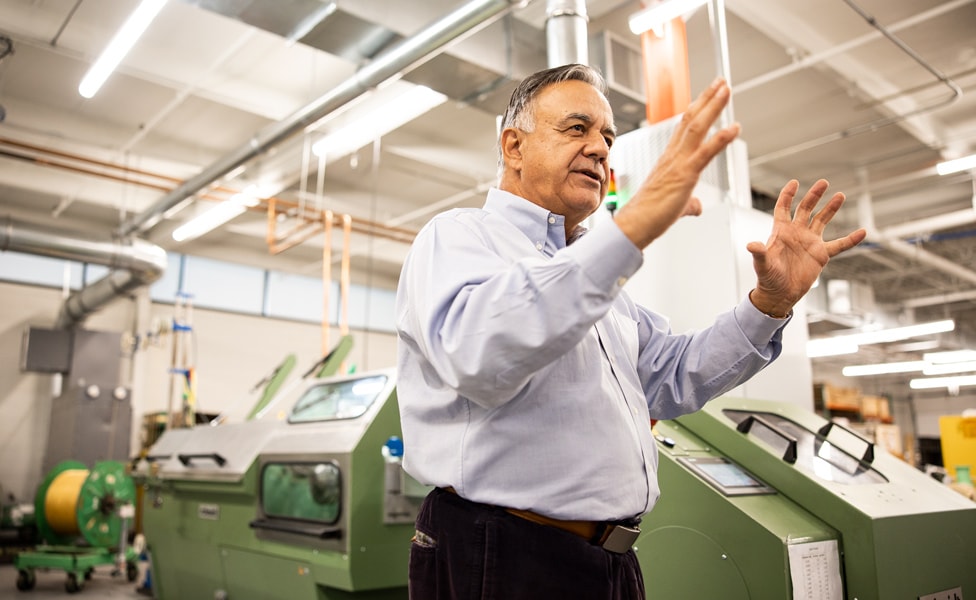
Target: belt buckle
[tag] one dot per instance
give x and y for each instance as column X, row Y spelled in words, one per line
column 621, row 538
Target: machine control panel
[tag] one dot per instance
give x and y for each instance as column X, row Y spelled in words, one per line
column 725, row 476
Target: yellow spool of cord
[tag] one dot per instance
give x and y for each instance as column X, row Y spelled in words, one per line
column 61, row 501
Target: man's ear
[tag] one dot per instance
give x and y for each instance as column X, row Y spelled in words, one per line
column 511, row 144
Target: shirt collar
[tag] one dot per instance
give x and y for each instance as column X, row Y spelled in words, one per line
column 536, row 222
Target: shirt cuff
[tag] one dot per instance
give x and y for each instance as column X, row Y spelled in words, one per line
column 757, row 326
column 607, row 257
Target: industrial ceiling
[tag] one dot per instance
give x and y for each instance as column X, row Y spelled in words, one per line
column 219, row 95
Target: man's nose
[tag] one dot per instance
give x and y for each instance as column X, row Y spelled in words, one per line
column 597, row 147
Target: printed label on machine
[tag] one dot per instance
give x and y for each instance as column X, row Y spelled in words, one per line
column 211, row 512
column 815, row 571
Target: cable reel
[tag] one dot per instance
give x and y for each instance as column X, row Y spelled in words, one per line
column 74, row 501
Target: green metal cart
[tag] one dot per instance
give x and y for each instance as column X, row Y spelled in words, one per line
column 81, row 517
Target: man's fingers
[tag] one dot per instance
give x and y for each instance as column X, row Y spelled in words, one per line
column 827, row 213
column 715, row 144
column 699, row 117
column 783, row 210
column 810, row 200
column 835, row 247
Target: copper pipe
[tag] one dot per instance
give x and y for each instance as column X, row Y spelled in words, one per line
column 50, row 163
column 326, row 280
column 344, row 276
column 102, row 163
column 295, row 240
column 397, row 234
column 269, row 237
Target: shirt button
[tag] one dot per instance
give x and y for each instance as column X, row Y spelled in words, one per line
column 552, row 220
column 538, row 245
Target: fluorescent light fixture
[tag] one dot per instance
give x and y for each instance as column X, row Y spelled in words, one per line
column 656, row 15
column 946, row 382
column 884, row 368
column 950, row 356
column 847, row 344
column 216, row 215
column 829, row 347
column 120, row 45
column 902, row 333
column 949, row 368
column 360, row 132
column 954, row 166
column 916, row 346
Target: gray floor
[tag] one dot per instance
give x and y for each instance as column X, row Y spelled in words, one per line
column 50, row 584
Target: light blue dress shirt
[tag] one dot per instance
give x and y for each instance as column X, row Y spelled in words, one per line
column 527, row 377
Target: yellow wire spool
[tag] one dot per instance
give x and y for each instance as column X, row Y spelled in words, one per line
column 74, row 501
column 61, row 502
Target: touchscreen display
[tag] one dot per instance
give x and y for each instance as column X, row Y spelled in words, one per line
column 728, row 474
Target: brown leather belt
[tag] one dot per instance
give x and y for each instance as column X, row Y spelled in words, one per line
column 615, row 537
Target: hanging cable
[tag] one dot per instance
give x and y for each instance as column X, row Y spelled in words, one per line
column 956, row 93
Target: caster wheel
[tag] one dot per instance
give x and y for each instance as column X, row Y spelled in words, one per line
column 72, row 585
column 131, row 571
column 26, row 580
column 89, row 573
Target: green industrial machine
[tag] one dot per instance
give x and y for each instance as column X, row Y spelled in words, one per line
column 312, row 505
column 82, row 517
column 766, row 500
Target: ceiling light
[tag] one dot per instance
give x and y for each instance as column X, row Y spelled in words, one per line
column 954, row 166
column 950, row 356
column 120, row 45
column 360, row 132
column 658, row 14
column 901, row 333
column 949, row 368
column 884, row 368
column 841, row 344
column 217, row 215
column 946, row 382
column 916, row 346
column 830, row 347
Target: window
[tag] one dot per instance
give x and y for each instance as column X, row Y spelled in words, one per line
column 337, row 400
column 306, row 491
column 223, row 285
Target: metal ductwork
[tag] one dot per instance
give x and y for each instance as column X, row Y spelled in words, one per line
column 889, row 238
column 401, row 57
column 567, row 40
column 134, row 263
column 566, row 33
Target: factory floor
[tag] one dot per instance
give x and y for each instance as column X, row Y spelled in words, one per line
column 50, row 585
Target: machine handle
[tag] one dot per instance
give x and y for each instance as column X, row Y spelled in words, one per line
column 746, row 424
column 867, row 457
column 186, row 459
column 151, row 458
column 319, row 531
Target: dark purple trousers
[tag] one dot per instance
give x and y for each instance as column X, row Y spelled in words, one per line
column 470, row 551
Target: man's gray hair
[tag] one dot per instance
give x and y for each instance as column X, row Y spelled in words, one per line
column 519, row 111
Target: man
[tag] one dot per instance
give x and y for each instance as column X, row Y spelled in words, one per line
column 527, row 377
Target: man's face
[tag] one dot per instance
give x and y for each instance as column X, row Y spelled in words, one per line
column 562, row 162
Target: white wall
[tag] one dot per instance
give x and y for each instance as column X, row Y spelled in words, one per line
column 233, row 352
